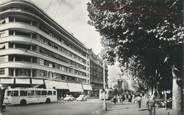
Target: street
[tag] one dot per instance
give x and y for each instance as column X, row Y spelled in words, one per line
column 67, row 108
column 90, row 107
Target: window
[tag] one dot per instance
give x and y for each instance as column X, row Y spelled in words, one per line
column 2, row 71
column 20, row 33
column 22, row 20
column 11, row 19
column 38, row 92
column 11, row 32
column 44, row 93
column 49, row 93
column 34, row 73
column 33, row 35
column 54, row 92
column 34, row 48
column 14, row 93
column 30, row 93
column 11, row 72
column 46, row 63
column 8, row 93
column 23, row 93
column 22, row 58
column 22, row 72
column 22, row 46
column 42, row 73
column 41, row 62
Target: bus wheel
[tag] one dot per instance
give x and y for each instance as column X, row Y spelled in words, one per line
column 47, row 100
column 23, row 102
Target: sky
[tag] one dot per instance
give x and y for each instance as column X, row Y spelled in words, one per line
column 73, row 16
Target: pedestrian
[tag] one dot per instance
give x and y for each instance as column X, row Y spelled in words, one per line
column 114, row 100
column 129, row 98
column 139, row 99
column 133, row 98
column 118, row 99
column 123, row 98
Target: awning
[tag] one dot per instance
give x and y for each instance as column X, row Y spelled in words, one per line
column 87, row 87
column 37, row 81
column 56, row 84
column 74, row 87
column 22, row 81
column 7, row 81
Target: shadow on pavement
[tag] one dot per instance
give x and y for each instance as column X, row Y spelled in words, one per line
column 117, row 108
column 143, row 110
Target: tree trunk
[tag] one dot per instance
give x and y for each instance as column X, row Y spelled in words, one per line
column 1, row 94
column 176, row 97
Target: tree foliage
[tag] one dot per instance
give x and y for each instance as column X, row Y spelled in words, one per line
column 145, row 35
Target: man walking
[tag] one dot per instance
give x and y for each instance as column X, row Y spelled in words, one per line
column 139, row 99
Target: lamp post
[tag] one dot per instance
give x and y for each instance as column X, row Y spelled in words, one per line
column 104, row 84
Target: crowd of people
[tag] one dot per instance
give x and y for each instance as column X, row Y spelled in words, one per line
column 141, row 98
column 132, row 98
column 120, row 98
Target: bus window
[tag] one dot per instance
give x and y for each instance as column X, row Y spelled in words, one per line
column 28, row 93
column 54, row 92
column 44, row 92
column 15, row 93
column 8, row 93
column 23, row 93
column 49, row 93
column 38, row 92
column 32, row 92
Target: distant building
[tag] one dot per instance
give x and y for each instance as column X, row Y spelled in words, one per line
column 124, row 82
column 96, row 73
column 35, row 51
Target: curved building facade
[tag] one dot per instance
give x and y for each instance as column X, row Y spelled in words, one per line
column 35, row 50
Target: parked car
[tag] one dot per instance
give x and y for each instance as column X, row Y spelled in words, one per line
column 82, row 98
column 69, row 98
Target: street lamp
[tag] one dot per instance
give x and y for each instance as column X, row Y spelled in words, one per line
column 104, row 84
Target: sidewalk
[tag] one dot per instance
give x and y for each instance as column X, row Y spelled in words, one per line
column 131, row 109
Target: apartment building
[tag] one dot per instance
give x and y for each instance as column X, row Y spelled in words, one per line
column 35, row 51
column 96, row 73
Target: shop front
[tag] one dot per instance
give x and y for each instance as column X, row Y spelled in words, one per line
column 61, row 87
column 75, row 89
column 87, row 89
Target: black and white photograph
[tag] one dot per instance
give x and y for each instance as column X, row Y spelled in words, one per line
column 91, row 57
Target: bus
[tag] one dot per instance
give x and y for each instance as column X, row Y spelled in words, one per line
column 25, row 96
column 108, row 94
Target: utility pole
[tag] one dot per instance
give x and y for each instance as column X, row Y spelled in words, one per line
column 104, row 86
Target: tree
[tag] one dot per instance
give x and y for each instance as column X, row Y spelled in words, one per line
column 146, row 36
